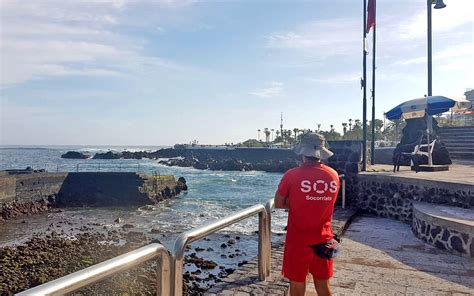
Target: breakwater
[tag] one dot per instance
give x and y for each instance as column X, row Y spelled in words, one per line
column 30, row 193
column 346, row 159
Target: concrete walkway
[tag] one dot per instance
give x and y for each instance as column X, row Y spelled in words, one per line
column 458, row 173
column 383, row 257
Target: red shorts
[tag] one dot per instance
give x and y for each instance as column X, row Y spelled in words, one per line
column 299, row 260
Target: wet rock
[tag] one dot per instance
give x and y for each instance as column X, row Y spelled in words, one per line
column 118, row 220
column 136, row 236
column 198, row 249
column 242, row 263
column 75, row 155
column 223, row 246
column 230, row 242
column 155, row 231
column 128, row 226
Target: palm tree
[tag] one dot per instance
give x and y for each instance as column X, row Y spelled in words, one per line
column 272, row 133
column 258, row 134
column 277, row 133
column 332, row 127
column 319, row 127
column 350, row 124
column 267, row 134
column 344, row 128
column 296, row 130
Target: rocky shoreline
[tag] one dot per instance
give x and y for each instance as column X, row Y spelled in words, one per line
column 15, row 209
column 267, row 160
column 56, row 253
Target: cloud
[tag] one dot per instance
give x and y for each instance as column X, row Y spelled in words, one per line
column 271, row 90
column 44, row 39
column 322, row 38
column 336, row 79
column 456, row 14
column 462, row 52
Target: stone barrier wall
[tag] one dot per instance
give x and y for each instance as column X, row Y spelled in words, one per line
column 392, row 197
column 25, row 194
column 114, row 189
column 445, row 234
column 347, row 158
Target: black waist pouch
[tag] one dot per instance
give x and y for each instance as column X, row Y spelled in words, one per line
column 327, row 250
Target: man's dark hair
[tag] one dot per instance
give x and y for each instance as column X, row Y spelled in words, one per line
column 311, row 158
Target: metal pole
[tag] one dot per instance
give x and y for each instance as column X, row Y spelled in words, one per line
column 372, row 143
column 428, row 128
column 268, row 260
column 429, row 49
column 343, row 188
column 364, row 101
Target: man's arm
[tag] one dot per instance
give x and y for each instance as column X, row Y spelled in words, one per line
column 281, row 202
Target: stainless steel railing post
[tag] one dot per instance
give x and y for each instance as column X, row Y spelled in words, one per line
column 342, row 177
column 197, row 233
column 268, row 260
column 98, row 272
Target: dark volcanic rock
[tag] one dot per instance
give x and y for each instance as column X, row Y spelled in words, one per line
column 415, row 130
column 107, row 155
column 75, row 155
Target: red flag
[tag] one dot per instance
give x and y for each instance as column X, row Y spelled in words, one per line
column 370, row 15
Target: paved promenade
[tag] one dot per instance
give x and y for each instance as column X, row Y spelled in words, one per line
column 458, row 173
column 382, row 257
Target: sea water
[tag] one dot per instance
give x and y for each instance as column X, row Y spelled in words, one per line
column 211, row 195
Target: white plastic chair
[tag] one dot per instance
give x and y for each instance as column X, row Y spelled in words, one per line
column 418, row 151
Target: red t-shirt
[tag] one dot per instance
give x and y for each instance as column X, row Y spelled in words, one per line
column 311, row 190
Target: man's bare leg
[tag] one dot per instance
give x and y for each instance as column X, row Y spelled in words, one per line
column 297, row 289
column 322, row 287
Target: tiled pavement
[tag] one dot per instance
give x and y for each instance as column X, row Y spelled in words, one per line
column 382, row 257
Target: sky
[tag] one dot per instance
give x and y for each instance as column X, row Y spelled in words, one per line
column 136, row 72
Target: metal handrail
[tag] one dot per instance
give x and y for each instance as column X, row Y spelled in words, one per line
column 95, row 273
column 192, row 235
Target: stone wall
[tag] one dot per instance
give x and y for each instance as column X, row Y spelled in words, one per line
column 347, row 160
column 389, row 196
column 30, row 193
column 26, row 194
column 114, row 189
column 447, row 234
column 384, row 155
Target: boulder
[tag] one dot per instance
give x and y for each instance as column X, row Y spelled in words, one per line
column 415, row 130
column 107, row 155
column 75, row 155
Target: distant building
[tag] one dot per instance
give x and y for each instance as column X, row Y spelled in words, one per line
column 470, row 96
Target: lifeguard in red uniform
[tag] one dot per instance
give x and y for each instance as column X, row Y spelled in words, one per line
column 309, row 192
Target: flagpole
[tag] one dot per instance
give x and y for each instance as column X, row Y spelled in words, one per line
column 364, row 85
column 372, row 144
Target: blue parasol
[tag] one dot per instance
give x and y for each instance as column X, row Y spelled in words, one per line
column 432, row 105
